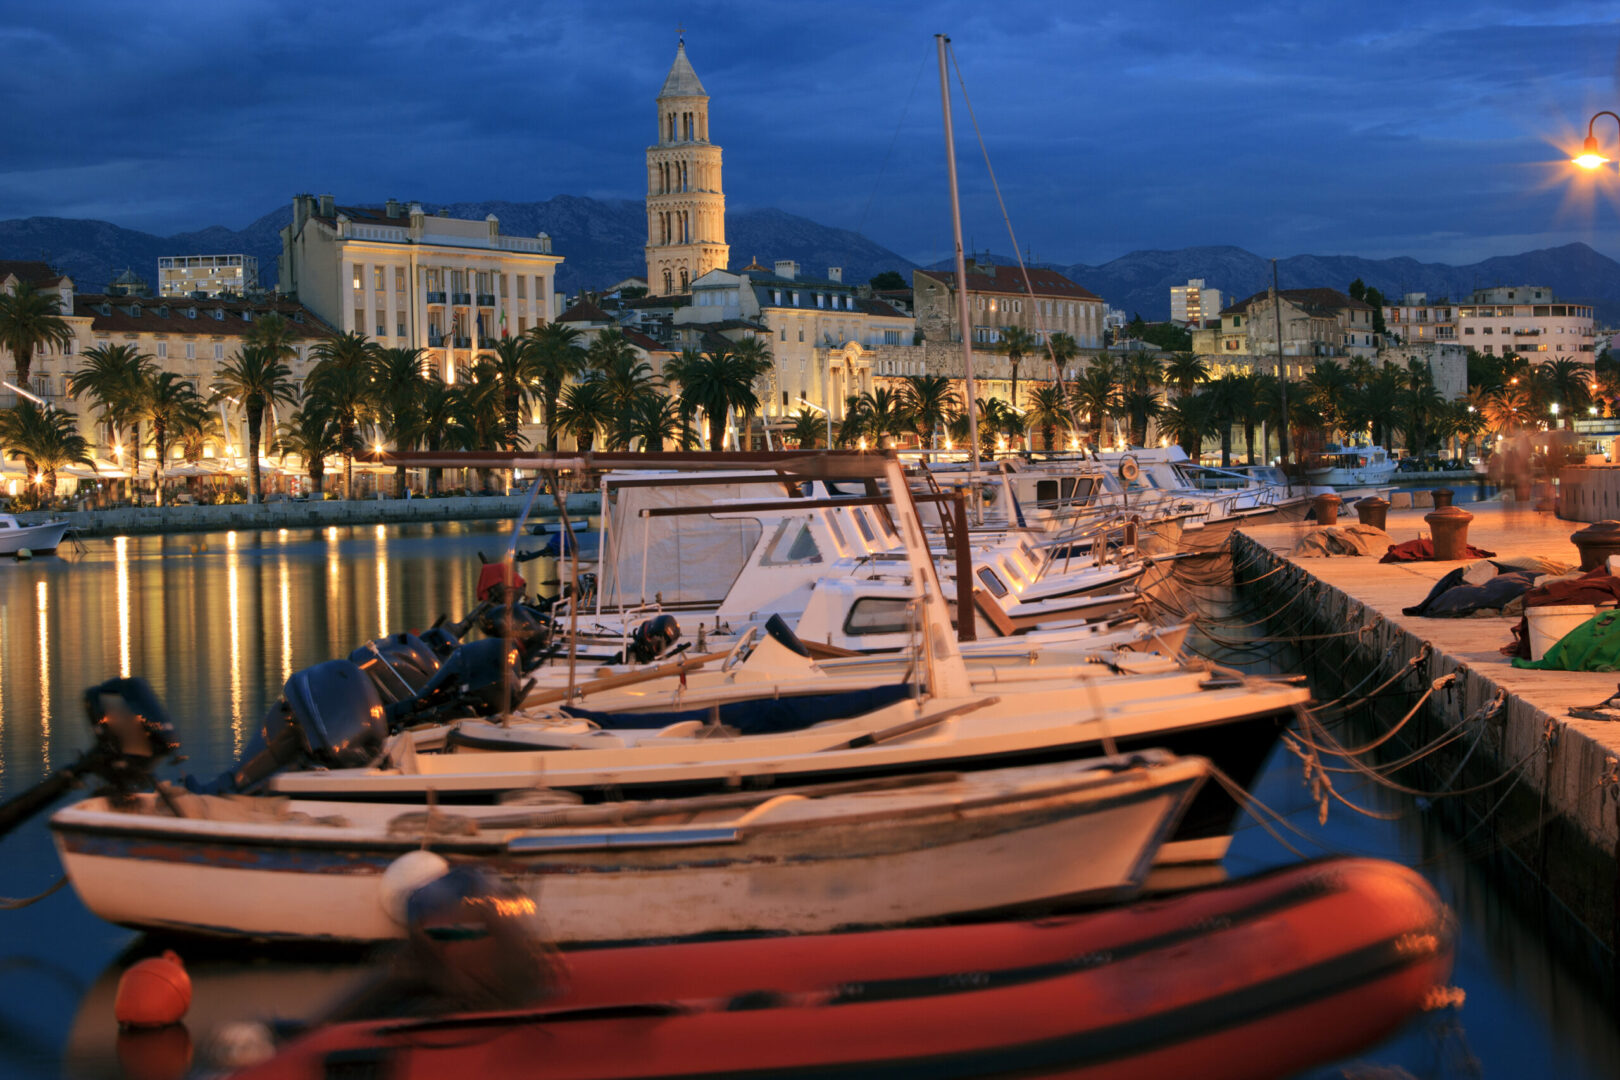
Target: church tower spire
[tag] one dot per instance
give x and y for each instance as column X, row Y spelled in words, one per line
column 686, row 205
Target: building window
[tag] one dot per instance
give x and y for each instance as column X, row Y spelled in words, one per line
column 191, row 350
column 523, row 286
column 382, row 331
column 360, row 320
column 400, row 329
column 359, row 280
column 784, row 333
column 163, row 350
column 377, row 278
column 219, row 351
column 801, row 333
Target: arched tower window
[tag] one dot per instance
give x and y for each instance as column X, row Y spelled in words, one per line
column 685, row 284
column 669, row 286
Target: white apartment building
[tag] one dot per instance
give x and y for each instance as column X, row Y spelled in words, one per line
column 818, row 329
column 411, row 279
column 210, row 275
column 1526, row 320
column 1192, row 304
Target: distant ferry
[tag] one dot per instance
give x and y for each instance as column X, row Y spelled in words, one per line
column 1351, row 466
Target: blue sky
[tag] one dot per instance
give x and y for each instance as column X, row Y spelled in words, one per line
column 1376, row 129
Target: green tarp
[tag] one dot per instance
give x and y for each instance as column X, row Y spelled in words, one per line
column 1592, row 646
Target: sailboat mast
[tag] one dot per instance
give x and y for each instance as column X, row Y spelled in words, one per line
column 961, row 263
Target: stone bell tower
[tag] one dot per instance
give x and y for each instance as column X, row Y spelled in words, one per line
column 686, row 205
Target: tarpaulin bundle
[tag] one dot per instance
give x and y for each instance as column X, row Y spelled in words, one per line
column 1454, row 598
column 1423, row 550
column 1334, row 540
column 1594, row 587
column 1592, row 646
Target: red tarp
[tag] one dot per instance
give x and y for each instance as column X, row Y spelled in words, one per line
column 1421, row 550
column 1593, row 587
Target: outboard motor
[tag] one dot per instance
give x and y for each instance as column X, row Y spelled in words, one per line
column 133, row 735
column 476, row 941
column 650, row 640
column 329, row 715
column 478, row 679
column 399, row 664
column 444, row 638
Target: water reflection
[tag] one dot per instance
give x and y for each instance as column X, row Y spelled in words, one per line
column 233, row 592
column 383, row 625
column 42, row 606
column 121, row 554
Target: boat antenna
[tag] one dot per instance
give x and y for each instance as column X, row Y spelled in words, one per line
column 962, row 312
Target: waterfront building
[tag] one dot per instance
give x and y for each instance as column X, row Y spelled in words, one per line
column 998, row 298
column 411, row 279
column 48, row 358
column 208, row 275
column 1192, row 304
column 686, row 202
column 1526, row 320
column 1316, row 323
column 825, row 338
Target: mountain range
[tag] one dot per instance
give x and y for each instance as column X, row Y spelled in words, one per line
column 601, row 242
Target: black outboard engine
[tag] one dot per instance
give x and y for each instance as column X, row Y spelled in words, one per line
column 444, row 637
column 528, row 628
column 133, row 735
column 478, row 679
column 650, row 640
column 399, row 664
column 329, row 715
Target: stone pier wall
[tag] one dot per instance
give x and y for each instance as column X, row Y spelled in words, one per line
column 1553, row 827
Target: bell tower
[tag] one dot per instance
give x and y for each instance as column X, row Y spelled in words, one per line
column 686, row 205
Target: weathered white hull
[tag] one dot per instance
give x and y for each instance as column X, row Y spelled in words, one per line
column 994, row 846
column 39, row 539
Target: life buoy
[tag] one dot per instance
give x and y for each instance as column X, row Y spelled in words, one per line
column 1128, row 468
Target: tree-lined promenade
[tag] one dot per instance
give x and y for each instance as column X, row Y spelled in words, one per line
column 600, row 392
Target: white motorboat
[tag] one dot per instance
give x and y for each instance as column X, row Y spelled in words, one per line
column 1351, row 466
column 41, row 539
column 746, row 862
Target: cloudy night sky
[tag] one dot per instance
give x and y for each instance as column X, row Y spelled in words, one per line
column 1434, row 130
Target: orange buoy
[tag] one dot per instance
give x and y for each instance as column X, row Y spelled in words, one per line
column 154, row 992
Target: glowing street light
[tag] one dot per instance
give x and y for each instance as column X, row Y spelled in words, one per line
column 1591, row 156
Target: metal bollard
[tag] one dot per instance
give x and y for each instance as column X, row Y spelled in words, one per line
column 1327, row 509
column 1596, row 543
column 1373, row 511
column 1449, row 527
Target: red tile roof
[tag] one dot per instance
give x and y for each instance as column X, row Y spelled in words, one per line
column 29, row 270
column 645, row 343
column 586, row 312
column 1318, row 300
column 1009, row 280
column 149, row 321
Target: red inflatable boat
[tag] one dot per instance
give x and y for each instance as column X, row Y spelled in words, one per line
column 1258, row 978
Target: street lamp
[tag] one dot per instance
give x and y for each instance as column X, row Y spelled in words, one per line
column 1591, row 157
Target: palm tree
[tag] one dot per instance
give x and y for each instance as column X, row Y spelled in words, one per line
column 168, row 400
column 929, row 400
column 1327, row 388
column 1061, row 348
column 1508, row 409
column 1096, row 392
column 853, row 427
column 1224, row 401
column 272, row 332
column 512, row 368
column 584, row 410
column 198, row 425
column 806, row 430
column 398, row 384
column 1251, row 410
column 313, row 434
column 557, row 357
column 1570, row 385
column 255, row 379
column 1017, row 343
column 444, row 422
column 1186, row 371
column 653, row 418
column 1421, row 407
column 46, row 439
column 885, row 413
column 30, row 319
column 1187, row 420
column 1139, row 399
column 340, row 382
column 1048, row 412
column 112, row 377
column 717, row 382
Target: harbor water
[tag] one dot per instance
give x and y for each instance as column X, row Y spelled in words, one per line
column 217, row 622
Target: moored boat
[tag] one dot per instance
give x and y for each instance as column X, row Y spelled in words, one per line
column 1258, row 978
column 41, row 539
column 872, row 853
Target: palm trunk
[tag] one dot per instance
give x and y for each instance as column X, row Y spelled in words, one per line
column 551, row 416
column 346, row 428
column 317, row 479
column 1047, row 434
column 159, row 437
column 48, row 482
column 399, row 481
column 433, row 481
column 1248, row 440
column 1226, row 444
column 717, row 431
column 255, row 432
column 1014, row 360
column 25, row 363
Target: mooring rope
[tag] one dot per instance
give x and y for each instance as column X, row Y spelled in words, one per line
column 9, row 904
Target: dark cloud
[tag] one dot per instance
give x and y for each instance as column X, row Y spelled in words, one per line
column 1378, row 128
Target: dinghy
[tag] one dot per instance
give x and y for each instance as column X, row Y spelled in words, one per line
column 812, row 860
column 1259, row 978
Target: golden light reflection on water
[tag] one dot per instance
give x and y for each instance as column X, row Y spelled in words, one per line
column 121, row 577
column 382, row 580
column 286, row 620
column 42, row 604
column 234, row 603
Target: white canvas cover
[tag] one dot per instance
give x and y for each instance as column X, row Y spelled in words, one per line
column 687, row 559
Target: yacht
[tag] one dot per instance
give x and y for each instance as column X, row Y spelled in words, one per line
column 39, row 539
column 1351, row 466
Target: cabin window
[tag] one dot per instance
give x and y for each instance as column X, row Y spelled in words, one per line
column 793, row 543
column 1063, row 490
column 878, row 615
column 865, row 527
column 991, row 582
column 838, row 533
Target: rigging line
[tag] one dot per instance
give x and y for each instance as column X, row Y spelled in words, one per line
column 895, row 138
column 1029, row 288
